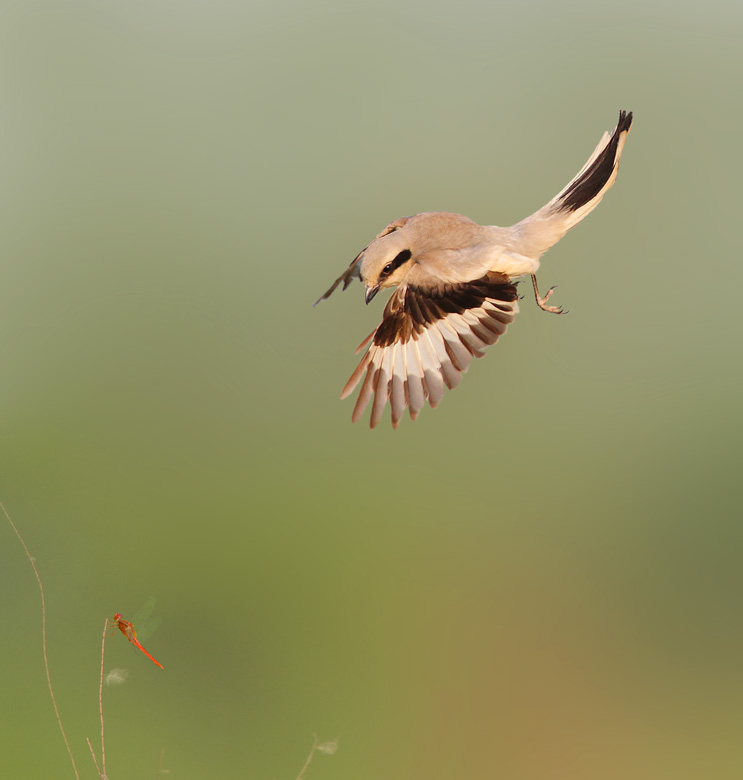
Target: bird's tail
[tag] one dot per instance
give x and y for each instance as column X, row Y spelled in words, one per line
column 536, row 234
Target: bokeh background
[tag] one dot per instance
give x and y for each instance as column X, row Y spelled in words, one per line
column 539, row 579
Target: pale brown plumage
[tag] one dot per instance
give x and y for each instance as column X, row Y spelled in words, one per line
column 455, row 291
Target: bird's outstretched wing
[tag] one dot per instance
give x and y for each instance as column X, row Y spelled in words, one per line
column 346, row 277
column 425, row 342
column 536, row 234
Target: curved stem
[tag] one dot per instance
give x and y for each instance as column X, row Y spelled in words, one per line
column 43, row 639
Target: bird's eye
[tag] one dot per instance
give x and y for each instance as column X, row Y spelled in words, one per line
column 401, row 258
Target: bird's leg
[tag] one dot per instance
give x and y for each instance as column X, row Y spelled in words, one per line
column 542, row 302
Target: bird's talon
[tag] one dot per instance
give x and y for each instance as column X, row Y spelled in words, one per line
column 549, row 294
column 552, row 309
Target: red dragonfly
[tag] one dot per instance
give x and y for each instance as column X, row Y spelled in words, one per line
column 146, row 628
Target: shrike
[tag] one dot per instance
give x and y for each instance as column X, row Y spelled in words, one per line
column 455, row 287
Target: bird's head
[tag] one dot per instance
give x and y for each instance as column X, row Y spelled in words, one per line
column 387, row 260
column 427, row 248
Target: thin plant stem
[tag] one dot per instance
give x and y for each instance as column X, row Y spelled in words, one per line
column 95, row 760
column 43, row 640
column 160, row 764
column 309, row 758
column 100, row 700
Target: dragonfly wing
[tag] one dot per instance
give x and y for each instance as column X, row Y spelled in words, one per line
column 144, row 612
column 144, row 625
column 146, row 630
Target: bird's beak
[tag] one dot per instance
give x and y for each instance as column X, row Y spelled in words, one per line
column 370, row 293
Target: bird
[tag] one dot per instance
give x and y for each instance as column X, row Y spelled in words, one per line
column 456, row 289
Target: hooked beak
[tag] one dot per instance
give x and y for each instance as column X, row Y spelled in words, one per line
column 370, row 293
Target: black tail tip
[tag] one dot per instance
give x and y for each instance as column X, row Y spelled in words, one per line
column 625, row 121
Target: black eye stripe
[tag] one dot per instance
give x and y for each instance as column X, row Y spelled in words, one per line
column 401, row 258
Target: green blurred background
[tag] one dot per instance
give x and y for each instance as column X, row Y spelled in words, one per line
column 541, row 578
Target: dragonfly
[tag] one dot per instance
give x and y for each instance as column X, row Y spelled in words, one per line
column 146, row 627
